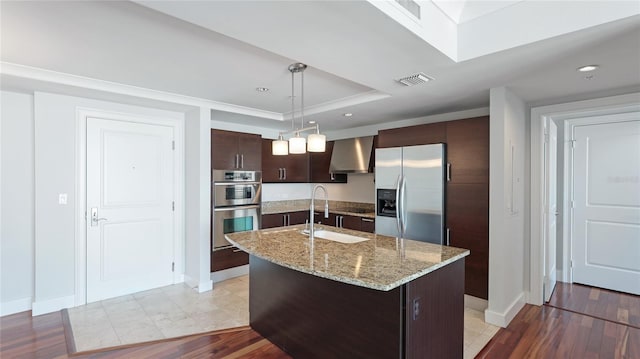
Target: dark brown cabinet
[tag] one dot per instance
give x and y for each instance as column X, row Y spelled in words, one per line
column 228, row 258
column 467, row 198
column 273, row 220
column 289, row 168
column 367, row 224
column 356, row 223
column 412, row 135
column 235, row 150
column 319, row 166
column 468, row 150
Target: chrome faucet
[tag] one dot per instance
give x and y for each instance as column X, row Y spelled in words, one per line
column 312, row 207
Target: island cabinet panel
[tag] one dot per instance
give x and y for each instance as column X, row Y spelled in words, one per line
column 312, row 317
column 436, row 313
column 468, row 150
column 319, row 166
column 412, row 135
column 235, row 150
column 283, row 169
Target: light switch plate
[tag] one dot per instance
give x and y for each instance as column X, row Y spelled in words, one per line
column 62, row 198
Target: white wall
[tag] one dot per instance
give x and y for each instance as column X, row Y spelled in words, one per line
column 198, row 199
column 17, row 203
column 55, row 173
column 508, row 117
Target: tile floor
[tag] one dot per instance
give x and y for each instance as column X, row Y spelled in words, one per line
column 177, row 310
column 161, row 313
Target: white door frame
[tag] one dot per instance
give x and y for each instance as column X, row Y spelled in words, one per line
column 80, row 191
column 559, row 113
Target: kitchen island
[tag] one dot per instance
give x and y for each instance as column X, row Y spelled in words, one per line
column 379, row 298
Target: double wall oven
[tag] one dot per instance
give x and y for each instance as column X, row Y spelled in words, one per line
column 236, row 203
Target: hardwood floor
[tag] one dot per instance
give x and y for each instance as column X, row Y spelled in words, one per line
column 23, row 336
column 605, row 304
column 579, row 322
column 536, row 332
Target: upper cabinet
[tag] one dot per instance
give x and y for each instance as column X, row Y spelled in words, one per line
column 468, row 150
column 319, row 165
column 235, row 150
column 278, row 169
column 412, row 135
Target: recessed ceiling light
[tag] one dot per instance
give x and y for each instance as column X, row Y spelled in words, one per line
column 312, row 122
column 588, row 68
column 262, row 89
column 348, row 114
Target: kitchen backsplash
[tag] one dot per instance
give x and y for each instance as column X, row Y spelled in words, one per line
column 359, row 188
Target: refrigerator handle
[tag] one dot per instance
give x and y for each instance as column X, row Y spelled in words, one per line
column 448, row 171
column 399, row 206
column 403, row 187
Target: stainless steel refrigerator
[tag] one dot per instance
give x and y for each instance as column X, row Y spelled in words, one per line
column 410, row 192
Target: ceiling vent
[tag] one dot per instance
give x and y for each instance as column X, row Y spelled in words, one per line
column 415, row 79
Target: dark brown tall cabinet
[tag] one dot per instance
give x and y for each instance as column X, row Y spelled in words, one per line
column 467, row 202
column 235, row 150
column 289, row 168
column 467, row 191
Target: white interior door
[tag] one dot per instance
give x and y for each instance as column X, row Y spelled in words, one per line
column 551, row 208
column 129, row 207
column 606, row 226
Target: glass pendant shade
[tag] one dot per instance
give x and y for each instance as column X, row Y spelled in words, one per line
column 316, row 142
column 297, row 144
column 280, row 147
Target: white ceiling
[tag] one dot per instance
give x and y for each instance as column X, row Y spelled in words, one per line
column 222, row 50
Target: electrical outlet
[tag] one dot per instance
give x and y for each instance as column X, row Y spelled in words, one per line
column 62, row 198
column 416, row 308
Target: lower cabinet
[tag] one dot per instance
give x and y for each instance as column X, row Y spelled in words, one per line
column 367, row 224
column 284, row 219
column 228, row 258
column 356, row 223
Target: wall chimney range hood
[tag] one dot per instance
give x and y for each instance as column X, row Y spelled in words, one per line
column 351, row 155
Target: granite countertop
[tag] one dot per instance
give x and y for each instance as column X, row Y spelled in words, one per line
column 379, row 263
column 339, row 207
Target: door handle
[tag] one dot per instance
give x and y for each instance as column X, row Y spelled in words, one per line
column 284, row 170
column 366, row 219
column 279, row 173
column 448, row 171
column 242, row 161
column 95, row 220
column 333, row 176
column 237, row 162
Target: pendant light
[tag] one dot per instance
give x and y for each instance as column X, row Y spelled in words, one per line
column 298, row 144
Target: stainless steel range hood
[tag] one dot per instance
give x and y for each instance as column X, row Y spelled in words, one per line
column 351, row 155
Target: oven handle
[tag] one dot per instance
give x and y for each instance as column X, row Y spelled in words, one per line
column 235, row 208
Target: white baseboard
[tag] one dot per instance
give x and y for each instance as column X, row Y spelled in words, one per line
column 197, row 285
column 225, row 274
column 475, row 303
column 503, row 319
column 52, row 305
column 205, row 286
column 15, row 306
